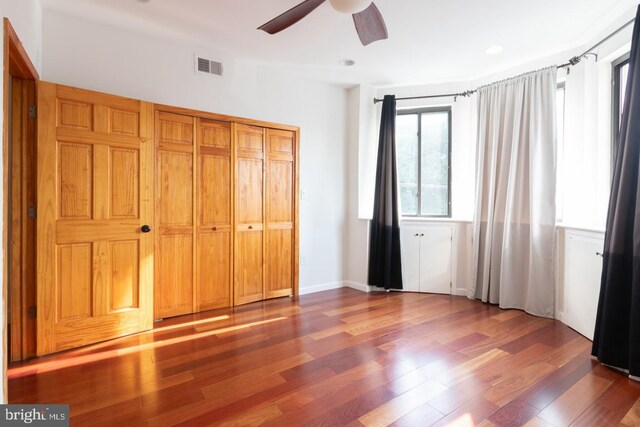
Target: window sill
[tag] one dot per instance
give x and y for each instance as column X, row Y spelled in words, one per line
column 422, row 220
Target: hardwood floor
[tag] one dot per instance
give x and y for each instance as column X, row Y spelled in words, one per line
column 339, row 357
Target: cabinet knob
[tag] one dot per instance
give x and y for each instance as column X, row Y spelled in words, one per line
column 422, row 235
column 145, row 228
column 600, row 254
column 215, row 228
column 251, row 227
column 417, row 234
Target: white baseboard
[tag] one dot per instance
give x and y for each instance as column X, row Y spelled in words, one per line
column 304, row 290
column 462, row 292
column 357, row 286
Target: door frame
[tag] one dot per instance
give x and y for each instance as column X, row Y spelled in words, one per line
column 17, row 64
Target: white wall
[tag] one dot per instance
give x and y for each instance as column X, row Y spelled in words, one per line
column 134, row 65
column 26, row 19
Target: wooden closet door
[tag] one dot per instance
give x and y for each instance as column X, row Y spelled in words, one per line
column 95, row 194
column 214, row 243
column 249, row 213
column 280, row 213
column 175, row 240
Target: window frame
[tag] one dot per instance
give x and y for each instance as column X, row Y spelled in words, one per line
column 616, row 67
column 419, row 111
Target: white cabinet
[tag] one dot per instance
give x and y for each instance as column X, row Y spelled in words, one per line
column 582, row 270
column 427, row 258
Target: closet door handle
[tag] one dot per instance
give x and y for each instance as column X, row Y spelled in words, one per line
column 145, row 228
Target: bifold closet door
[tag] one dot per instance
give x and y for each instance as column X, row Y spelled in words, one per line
column 95, row 202
column 249, row 214
column 175, row 239
column 280, row 213
column 214, row 242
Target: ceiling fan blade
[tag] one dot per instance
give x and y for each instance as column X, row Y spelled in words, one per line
column 370, row 25
column 291, row 16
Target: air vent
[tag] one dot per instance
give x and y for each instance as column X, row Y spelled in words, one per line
column 204, row 65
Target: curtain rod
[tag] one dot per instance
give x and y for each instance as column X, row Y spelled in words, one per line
column 573, row 61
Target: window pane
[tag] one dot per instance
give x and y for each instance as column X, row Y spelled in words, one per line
column 407, row 152
column 624, row 72
column 560, row 151
column 435, row 164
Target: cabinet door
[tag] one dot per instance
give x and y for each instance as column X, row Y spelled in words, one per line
column 175, row 215
column 249, row 213
column 95, row 191
column 583, row 270
column 410, row 259
column 214, row 237
column 279, row 208
column 435, row 260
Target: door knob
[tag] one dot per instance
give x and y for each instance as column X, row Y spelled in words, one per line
column 145, row 228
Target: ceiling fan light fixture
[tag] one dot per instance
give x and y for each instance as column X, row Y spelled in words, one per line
column 350, row 6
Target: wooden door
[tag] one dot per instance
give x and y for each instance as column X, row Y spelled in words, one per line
column 214, row 236
column 249, row 213
column 280, row 213
column 175, row 244
column 95, row 192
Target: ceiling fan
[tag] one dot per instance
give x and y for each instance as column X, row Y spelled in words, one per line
column 366, row 17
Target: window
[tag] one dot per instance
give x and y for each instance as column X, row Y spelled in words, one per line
column 423, row 139
column 560, row 94
column 620, row 73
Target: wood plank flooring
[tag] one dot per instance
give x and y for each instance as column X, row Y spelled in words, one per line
column 334, row 358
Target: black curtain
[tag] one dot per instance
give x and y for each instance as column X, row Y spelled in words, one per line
column 385, row 267
column 616, row 340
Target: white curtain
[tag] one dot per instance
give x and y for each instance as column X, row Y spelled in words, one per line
column 514, row 221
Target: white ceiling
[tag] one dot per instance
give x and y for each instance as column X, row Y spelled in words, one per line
column 429, row 40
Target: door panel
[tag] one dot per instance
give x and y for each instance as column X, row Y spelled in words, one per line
column 435, row 260
column 279, row 263
column 75, row 165
column 124, row 183
column 214, row 248
column 249, row 215
column 74, row 281
column 175, row 172
column 250, row 189
column 124, row 259
column 95, row 190
column 582, row 280
column 215, row 190
column 174, row 273
column 249, row 271
column 175, row 261
column 279, row 200
column 214, row 278
column 410, row 241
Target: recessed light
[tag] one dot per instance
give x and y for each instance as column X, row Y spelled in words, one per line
column 494, row 49
column 144, row 1
column 347, row 62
